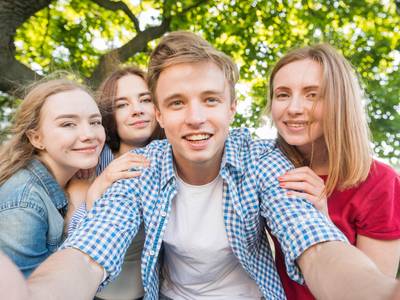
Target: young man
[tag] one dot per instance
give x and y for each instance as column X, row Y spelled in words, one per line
column 204, row 203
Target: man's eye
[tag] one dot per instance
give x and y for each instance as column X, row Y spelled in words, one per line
column 212, row 100
column 176, row 103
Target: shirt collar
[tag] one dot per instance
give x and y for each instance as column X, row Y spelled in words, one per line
column 56, row 193
column 232, row 149
column 167, row 165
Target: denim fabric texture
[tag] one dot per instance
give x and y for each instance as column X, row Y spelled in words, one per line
column 252, row 199
column 32, row 205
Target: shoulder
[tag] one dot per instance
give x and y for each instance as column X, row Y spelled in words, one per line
column 241, row 140
column 23, row 190
column 155, row 150
column 381, row 170
column 379, row 177
column 272, row 158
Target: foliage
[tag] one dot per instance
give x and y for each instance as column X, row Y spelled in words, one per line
column 75, row 34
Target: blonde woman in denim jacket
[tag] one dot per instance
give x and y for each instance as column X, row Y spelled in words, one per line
column 57, row 130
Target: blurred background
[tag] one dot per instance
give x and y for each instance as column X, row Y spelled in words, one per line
column 90, row 38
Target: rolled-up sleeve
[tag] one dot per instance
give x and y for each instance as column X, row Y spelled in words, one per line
column 109, row 227
column 294, row 221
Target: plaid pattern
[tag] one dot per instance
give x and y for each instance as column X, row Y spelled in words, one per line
column 252, row 200
column 106, row 157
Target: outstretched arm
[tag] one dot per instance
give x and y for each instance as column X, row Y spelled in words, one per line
column 67, row 274
column 335, row 270
column 12, row 283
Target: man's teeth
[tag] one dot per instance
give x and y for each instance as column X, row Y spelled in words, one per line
column 198, row 137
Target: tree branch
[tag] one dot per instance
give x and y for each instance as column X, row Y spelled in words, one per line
column 119, row 5
column 190, row 7
column 123, row 53
column 136, row 44
column 14, row 76
column 13, row 13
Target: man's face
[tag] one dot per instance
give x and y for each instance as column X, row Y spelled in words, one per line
column 195, row 110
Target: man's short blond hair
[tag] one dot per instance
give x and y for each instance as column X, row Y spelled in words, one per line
column 185, row 47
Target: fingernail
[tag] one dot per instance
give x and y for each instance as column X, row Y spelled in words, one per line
column 280, row 178
column 289, row 193
column 282, row 184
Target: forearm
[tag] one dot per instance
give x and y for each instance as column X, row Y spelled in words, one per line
column 12, row 283
column 67, row 274
column 335, row 270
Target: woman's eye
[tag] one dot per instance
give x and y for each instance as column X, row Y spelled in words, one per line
column 96, row 123
column 282, row 95
column 312, row 96
column 68, row 124
column 121, row 105
column 146, row 100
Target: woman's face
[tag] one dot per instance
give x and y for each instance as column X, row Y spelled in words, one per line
column 134, row 112
column 70, row 134
column 297, row 108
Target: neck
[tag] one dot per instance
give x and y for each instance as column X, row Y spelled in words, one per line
column 317, row 156
column 123, row 148
column 198, row 174
column 62, row 174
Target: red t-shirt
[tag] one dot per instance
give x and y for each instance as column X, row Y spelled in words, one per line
column 371, row 209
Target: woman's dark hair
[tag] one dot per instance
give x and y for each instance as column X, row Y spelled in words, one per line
column 106, row 95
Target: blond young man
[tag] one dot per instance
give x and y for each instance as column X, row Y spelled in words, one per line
column 204, row 203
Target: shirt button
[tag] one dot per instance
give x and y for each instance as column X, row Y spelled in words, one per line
column 152, row 253
column 163, row 214
column 90, row 215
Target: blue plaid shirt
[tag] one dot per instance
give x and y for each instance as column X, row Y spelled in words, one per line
column 252, row 198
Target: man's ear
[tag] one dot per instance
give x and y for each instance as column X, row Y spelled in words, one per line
column 159, row 118
column 35, row 139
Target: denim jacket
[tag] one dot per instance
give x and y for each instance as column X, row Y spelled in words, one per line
column 32, row 206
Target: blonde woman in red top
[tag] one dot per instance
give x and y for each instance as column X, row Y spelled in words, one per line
column 316, row 105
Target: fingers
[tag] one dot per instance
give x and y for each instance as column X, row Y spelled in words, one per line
column 134, row 157
column 124, row 175
column 303, row 186
column 304, row 180
column 302, row 174
column 320, row 203
column 126, row 162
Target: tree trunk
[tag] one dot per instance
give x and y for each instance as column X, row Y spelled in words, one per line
column 12, row 14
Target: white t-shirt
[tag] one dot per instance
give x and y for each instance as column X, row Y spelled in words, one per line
column 198, row 260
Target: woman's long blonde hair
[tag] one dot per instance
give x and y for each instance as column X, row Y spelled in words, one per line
column 18, row 151
column 346, row 131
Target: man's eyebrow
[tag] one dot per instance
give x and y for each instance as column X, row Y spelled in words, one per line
column 172, row 96
column 213, row 92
